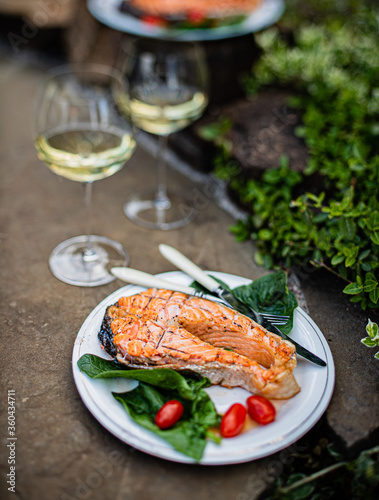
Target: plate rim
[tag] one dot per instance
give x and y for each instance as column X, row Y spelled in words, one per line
column 256, row 21
column 164, row 450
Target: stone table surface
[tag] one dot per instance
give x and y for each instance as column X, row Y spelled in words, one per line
column 62, row 452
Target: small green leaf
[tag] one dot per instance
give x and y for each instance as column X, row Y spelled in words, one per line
column 258, row 258
column 321, row 217
column 215, row 130
column 375, row 237
column 352, row 289
column 347, row 228
column 374, row 295
column 376, row 355
column 337, row 259
column 364, row 254
column 350, row 261
column 356, row 299
column 366, row 266
column 368, row 342
column 370, row 282
column 372, row 329
column 265, row 234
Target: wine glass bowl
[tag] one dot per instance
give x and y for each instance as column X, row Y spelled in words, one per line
column 81, row 136
column 167, row 91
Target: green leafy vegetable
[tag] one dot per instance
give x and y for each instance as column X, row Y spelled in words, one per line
column 358, row 478
column 270, row 294
column 96, row 367
column 187, row 387
column 267, row 294
column 189, row 435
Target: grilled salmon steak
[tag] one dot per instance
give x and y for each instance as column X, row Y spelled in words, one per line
column 162, row 328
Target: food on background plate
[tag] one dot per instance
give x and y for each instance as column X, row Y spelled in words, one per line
column 165, row 329
column 190, row 13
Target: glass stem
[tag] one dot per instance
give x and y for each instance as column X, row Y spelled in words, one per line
column 89, row 253
column 162, row 201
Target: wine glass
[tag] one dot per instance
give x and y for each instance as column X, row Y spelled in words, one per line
column 81, row 136
column 167, row 91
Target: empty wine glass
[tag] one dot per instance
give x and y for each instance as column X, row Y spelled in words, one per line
column 167, row 91
column 81, row 136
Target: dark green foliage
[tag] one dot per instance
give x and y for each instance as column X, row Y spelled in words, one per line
column 356, row 479
column 333, row 72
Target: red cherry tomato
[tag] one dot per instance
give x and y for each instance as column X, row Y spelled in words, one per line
column 261, row 409
column 153, row 20
column 195, row 16
column 169, row 414
column 233, row 420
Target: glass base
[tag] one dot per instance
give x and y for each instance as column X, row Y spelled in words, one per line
column 70, row 263
column 147, row 212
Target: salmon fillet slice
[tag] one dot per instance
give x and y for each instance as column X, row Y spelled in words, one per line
column 163, row 328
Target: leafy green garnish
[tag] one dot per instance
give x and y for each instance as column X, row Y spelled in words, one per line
column 189, row 435
column 187, row 387
column 268, row 294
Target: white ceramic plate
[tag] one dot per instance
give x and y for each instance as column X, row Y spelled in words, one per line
column 107, row 12
column 295, row 416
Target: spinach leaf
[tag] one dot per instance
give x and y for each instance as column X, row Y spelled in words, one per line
column 144, row 399
column 93, row 366
column 187, row 387
column 268, row 294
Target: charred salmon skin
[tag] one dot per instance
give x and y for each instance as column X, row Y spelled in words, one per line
column 158, row 328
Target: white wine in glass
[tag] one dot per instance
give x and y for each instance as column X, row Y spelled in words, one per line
column 80, row 136
column 85, row 153
column 162, row 111
column 168, row 85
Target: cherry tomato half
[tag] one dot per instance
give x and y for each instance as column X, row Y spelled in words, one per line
column 233, row 420
column 169, row 414
column 261, row 409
